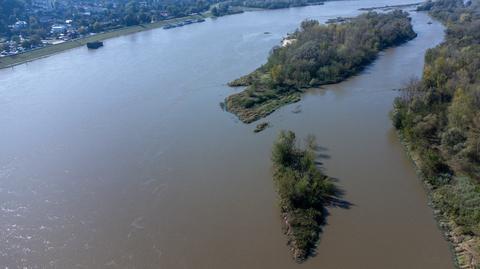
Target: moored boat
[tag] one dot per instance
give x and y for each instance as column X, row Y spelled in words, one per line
column 94, row 44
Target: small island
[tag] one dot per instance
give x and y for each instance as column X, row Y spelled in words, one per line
column 303, row 191
column 261, row 126
column 315, row 55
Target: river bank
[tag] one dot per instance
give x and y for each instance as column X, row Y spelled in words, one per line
column 438, row 118
column 32, row 55
column 465, row 248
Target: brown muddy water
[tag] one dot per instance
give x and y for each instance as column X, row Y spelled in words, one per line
column 122, row 158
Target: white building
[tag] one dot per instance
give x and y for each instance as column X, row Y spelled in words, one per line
column 20, row 25
column 58, row 29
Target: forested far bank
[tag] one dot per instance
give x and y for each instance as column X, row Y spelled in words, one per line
column 314, row 55
column 237, row 6
column 439, row 118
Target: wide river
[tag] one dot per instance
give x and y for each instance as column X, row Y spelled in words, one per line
column 122, row 157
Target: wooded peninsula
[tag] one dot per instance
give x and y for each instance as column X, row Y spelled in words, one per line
column 315, row 55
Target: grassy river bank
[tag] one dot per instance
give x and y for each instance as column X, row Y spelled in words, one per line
column 31, row 55
column 465, row 246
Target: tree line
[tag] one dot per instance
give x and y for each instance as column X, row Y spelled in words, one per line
column 439, row 115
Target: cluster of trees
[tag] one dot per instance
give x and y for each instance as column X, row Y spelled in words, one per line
column 132, row 13
column 225, row 8
column 237, row 6
column 101, row 17
column 34, row 32
column 323, row 54
column 10, row 10
column 128, row 13
column 439, row 115
column 318, row 54
column 273, row 4
column 302, row 189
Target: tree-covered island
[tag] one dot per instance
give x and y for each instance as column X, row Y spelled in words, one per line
column 303, row 191
column 315, row 55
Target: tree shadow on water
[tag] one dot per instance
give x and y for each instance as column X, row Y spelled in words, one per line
column 334, row 200
column 320, row 155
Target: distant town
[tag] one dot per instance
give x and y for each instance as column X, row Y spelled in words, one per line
column 32, row 24
column 37, row 23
